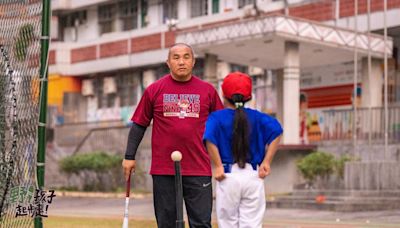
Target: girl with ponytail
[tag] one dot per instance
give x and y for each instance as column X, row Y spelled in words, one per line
column 242, row 143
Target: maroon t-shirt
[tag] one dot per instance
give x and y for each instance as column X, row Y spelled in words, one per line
column 179, row 111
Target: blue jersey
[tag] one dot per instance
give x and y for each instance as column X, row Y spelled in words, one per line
column 263, row 130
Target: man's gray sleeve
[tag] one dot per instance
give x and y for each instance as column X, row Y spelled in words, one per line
column 135, row 136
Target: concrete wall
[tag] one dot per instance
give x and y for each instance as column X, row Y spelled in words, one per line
column 365, row 152
column 284, row 175
column 384, row 175
column 112, row 140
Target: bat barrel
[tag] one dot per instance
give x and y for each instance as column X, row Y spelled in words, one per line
column 180, row 223
column 126, row 211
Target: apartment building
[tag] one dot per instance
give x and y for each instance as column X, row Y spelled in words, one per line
column 300, row 53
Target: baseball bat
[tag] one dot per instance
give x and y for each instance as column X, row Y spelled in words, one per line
column 128, row 190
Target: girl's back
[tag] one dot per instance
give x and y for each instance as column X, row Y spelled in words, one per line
column 262, row 130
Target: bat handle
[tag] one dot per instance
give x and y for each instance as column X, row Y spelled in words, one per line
column 180, row 223
column 128, row 186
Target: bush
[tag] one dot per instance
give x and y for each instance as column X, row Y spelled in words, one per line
column 25, row 37
column 317, row 164
column 97, row 161
column 97, row 171
column 340, row 163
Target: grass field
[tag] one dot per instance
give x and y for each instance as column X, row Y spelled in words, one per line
column 80, row 222
column 107, row 222
column 74, row 222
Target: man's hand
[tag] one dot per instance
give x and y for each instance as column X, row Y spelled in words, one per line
column 219, row 173
column 128, row 166
column 264, row 170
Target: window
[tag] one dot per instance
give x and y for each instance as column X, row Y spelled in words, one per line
column 243, row 3
column 98, row 85
column 241, row 68
column 128, row 85
column 76, row 18
column 103, row 100
column 198, row 8
column 215, row 6
column 143, row 13
column 128, row 13
column 170, row 9
column 110, row 100
column 71, row 20
column 162, row 70
column 198, row 68
column 106, row 18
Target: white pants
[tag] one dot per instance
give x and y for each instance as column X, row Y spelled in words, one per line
column 240, row 199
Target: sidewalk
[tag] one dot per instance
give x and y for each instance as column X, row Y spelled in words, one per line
column 141, row 207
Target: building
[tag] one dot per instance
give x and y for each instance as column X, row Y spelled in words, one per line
column 305, row 56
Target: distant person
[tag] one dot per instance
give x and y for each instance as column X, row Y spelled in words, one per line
column 242, row 143
column 179, row 104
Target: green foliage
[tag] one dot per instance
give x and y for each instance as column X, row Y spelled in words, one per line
column 24, row 39
column 340, row 163
column 96, row 161
column 316, row 164
column 321, row 164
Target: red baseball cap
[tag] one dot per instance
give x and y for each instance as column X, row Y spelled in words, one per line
column 237, row 83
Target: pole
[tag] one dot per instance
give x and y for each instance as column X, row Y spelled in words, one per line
column 355, row 79
column 337, row 9
column 44, row 45
column 385, row 64
column 369, row 78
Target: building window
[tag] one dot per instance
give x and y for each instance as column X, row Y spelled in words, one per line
column 74, row 19
column 215, row 6
column 243, row 3
column 110, row 100
column 198, row 68
column 106, row 18
column 170, row 9
column 162, row 70
column 71, row 20
column 128, row 86
column 104, row 100
column 198, row 8
column 128, row 13
column 143, row 13
column 241, row 68
column 98, row 85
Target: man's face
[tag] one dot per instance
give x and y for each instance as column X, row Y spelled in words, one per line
column 180, row 62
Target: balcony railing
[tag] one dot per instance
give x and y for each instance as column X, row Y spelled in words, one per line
column 370, row 125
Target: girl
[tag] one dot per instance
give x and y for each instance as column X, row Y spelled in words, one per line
column 241, row 143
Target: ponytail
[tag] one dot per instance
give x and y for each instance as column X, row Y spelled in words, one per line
column 240, row 134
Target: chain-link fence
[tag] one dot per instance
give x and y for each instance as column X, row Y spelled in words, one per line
column 20, row 33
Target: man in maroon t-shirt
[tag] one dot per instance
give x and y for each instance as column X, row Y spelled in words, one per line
column 179, row 104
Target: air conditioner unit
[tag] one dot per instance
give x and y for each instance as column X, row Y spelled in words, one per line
column 109, row 85
column 249, row 11
column 146, row 20
column 171, row 23
column 148, row 77
column 255, row 70
column 87, row 87
column 70, row 34
column 223, row 69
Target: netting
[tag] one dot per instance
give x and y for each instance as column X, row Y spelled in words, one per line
column 20, row 29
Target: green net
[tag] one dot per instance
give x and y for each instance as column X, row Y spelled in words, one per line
column 20, row 31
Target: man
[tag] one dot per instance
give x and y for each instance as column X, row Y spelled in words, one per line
column 179, row 104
